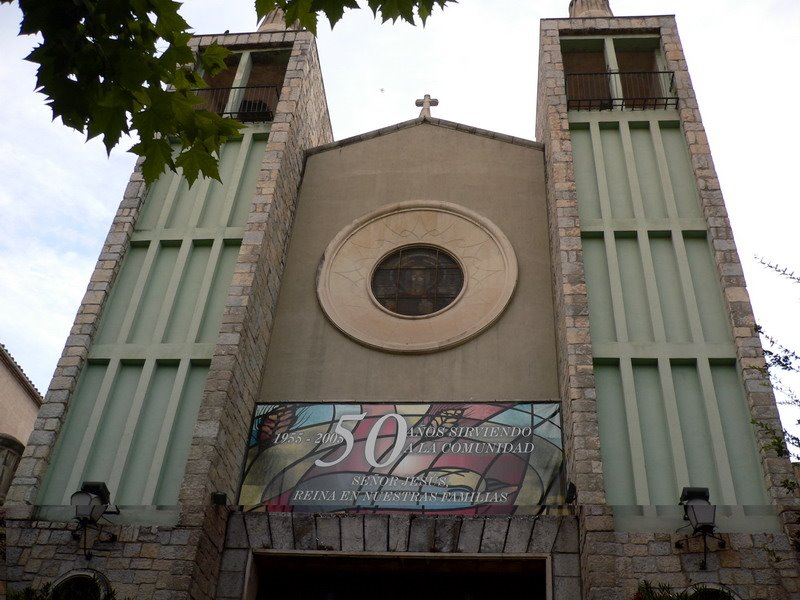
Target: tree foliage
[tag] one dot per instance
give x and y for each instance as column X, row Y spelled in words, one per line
column 122, row 67
column 781, row 361
column 76, row 588
column 648, row 591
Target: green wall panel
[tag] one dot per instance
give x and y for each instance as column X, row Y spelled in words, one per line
column 670, row 402
column 615, row 446
column 154, row 203
column 214, row 202
column 698, row 444
column 69, row 442
column 585, row 174
column 212, row 316
column 132, row 415
column 180, row 435
column 637, row 309
column 649, row 177
column 186, row 202
column 142, row 446
column 151, row 303
column 250, row 170
column 189, row 293
column 710, row 303
column 680, row 171
column 739, row 438
column 619, row 191
column 601, row 313
column 112, row 423
column 657, row 445
column 117, row 306
column 670, row 289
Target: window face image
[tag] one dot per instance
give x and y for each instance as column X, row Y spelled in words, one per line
column 417, row 280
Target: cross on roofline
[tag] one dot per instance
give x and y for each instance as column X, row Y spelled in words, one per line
column 426, row 104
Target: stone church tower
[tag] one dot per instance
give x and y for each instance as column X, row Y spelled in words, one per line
column 434, row 352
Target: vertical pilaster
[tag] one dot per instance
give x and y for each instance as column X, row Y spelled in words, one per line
column 576, row 372
column 301, row 121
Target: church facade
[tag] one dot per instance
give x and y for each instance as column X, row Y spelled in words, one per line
column 430, row 360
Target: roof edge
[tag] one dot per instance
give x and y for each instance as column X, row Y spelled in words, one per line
column 19, row 374
column 421, row 121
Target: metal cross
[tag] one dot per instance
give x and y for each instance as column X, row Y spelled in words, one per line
column 426, row 104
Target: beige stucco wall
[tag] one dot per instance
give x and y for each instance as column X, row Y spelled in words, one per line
column 17, row 409
column 514, row 359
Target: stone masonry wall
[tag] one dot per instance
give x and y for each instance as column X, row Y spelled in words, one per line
column 218, row 446
column 576, row 372
column 556, row 537
column 182, row 561
column 759, row 566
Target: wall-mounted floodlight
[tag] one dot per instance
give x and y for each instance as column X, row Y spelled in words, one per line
column 701, row 514
column 91, row 504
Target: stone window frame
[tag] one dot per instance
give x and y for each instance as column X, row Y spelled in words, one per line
column 484, row 252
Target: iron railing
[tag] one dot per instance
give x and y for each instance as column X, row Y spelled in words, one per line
column 244, row 103
column 637, row 90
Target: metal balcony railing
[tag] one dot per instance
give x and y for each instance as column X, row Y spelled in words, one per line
column 638, row 90
column 244, row 103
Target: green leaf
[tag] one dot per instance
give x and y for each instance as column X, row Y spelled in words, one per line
column 157, row 156
column 213, row 59
column 168, row 21
column 300, row 10
column 103, row 72
column 110, row 118
column 264, row 7
column 197, row 159
column 333, row 9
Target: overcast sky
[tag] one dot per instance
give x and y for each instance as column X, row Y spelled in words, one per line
column 58, row 194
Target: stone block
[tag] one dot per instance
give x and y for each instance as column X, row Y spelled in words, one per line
column 566, row 565
column 422, row 535
column 543, row 535
column 236, row 534
column 234, row 559
column 399, row 529
column 566, row 588
column 352, row 527
column 469, row 538
column 519, row 534
column 305, row 534
column 659, row 548
column 230, row 585
column 280, row 525
column 446, row 534
column 376, row 533
column 328, row 533
column 258, row 531
column 567, row 537
column 493, row 539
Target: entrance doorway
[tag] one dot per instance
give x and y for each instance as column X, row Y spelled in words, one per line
column 331, row 576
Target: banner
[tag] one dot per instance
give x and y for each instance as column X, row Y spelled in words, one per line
column 441, row 458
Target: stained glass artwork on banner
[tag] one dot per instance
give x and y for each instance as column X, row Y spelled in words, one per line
column 442, row 458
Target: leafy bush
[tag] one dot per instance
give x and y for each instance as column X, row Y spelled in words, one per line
column 82, row 587
column 647, row 591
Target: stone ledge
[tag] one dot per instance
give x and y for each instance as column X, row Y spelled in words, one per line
column 542, row 534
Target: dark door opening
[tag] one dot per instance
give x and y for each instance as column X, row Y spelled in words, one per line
column 399, row 577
